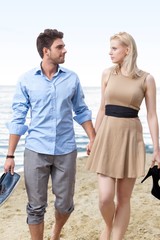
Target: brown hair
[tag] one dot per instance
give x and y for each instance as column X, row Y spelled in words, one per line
column 46, row 39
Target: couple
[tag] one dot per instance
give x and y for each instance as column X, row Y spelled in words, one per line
column 51, row 92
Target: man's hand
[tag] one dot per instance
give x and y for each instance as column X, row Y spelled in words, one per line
column 9, row 165
column 89, row 147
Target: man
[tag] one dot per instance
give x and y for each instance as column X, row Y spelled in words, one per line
column 51, row 93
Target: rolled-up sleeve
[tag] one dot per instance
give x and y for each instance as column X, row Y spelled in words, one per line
column 17, row 129
column 20, row 108
column 83, row 117
column 82, row 113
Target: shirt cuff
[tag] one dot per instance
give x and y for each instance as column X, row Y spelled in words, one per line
column 83, row 117
column 17, row 129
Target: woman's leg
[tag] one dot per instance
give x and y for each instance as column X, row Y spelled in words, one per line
column 122, row 214
column 106, row 203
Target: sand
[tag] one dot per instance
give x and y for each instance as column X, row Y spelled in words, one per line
column 85, row 223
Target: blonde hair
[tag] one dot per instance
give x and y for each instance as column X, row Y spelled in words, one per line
column 129, row 62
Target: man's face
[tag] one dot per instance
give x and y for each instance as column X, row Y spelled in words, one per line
column 56, row 53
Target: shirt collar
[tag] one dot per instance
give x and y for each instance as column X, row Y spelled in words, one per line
column 38, row 70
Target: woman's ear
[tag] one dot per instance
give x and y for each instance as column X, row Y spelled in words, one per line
column 127, row 50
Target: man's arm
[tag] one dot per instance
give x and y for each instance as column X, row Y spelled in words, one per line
column 83, row 115
column 10, row 163
column 17, row 125
column 89, row 129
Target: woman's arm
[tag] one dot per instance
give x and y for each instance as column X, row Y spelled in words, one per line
column 150, row 99
column 101, row 111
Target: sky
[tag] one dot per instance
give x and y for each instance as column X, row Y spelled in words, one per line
column 87, row 27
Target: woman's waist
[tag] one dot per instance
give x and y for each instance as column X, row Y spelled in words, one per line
column 120, row 111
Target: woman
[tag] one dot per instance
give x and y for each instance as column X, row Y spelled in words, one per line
column 118, row 152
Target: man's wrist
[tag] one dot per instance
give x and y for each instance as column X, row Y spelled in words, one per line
column 9, row 156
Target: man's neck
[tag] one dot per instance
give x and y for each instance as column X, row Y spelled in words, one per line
column 49, row 69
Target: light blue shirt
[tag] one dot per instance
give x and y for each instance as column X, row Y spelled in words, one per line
column 51, row 104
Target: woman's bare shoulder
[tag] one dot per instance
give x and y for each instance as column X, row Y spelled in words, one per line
column 149, row 78
column 149, row 83
column 106, row 73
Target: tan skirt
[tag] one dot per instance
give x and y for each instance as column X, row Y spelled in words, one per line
column 118, row 150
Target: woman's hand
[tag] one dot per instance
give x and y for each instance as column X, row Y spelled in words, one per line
column 156, row 158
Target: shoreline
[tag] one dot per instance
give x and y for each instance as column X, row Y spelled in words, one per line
column 85, row 223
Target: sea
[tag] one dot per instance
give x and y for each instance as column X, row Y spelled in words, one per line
column 92, row 99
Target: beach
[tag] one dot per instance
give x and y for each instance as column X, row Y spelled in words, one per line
column 85, row 223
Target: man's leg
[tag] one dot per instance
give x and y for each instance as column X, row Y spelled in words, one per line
column 36, row 231
column 36, row 172
column 63, row 184
column 60, row 220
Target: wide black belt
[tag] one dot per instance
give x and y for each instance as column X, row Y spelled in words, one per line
column 120, row 111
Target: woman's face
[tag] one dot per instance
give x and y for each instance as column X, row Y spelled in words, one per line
column 118, row 51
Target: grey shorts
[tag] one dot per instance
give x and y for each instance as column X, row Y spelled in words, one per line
column 37, row 170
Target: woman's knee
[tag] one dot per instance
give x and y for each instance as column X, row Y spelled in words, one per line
column 106, row 200
column 106, row 190
column 124, row 190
